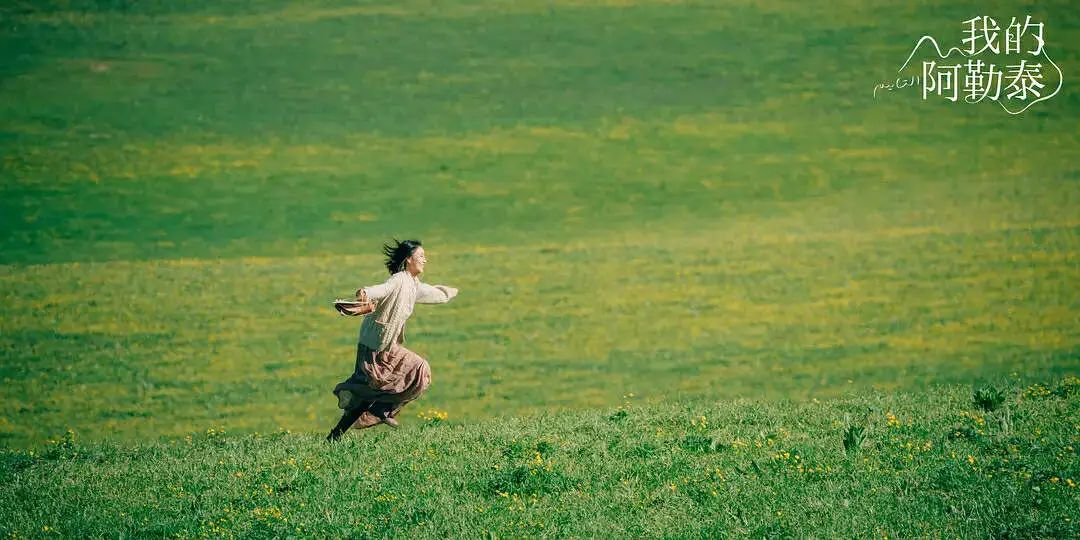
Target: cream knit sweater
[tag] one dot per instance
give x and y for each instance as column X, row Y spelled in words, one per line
column 396, row 298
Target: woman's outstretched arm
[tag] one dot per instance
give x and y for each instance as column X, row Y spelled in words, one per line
column 435, row 294
column 378, row 292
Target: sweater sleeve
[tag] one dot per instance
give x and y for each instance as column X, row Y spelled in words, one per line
column 433, row 294
column 378, row 292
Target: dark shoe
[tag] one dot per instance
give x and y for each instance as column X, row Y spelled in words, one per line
column 343, row 425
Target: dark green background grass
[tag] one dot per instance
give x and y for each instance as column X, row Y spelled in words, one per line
column 693, row 200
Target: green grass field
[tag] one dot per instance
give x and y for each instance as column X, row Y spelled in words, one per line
column 928, row 464
column 690, row 202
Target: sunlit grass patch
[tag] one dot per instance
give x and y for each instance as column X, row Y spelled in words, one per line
column 756, row 314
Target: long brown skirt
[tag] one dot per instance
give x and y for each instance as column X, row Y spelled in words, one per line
column 383, row 382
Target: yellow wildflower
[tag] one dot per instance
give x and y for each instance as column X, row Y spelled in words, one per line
column 891, row 419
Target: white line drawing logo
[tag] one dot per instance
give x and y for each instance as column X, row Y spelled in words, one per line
column 1015, row 86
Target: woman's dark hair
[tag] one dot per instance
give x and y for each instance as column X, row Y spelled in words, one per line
column 397, row 252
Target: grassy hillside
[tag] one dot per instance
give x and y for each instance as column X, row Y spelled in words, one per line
column 676, row 200
column 933, row 463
